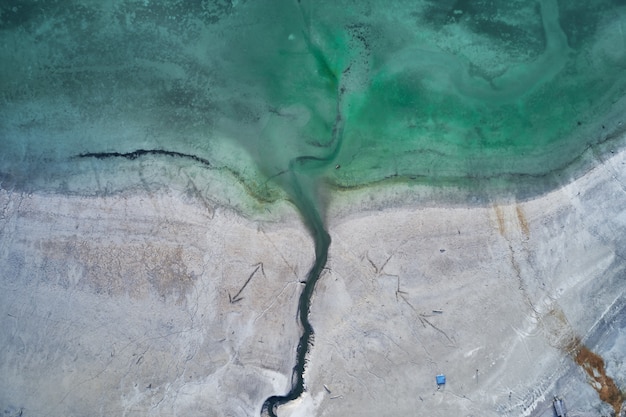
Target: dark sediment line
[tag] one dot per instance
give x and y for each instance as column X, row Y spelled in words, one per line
column 142, row 152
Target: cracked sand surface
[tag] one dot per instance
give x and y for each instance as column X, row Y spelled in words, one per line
column 119, row 306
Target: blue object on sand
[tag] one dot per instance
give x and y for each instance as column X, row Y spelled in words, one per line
column 441, row 379
column 559, row 407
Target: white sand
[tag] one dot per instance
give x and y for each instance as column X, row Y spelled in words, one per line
column 120, row 305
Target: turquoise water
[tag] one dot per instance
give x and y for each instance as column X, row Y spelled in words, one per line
column 476, row 95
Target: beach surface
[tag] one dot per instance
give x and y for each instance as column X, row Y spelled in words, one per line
column 158, row 303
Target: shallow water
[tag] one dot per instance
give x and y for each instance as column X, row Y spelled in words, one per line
column 278, row 97
column 469, row 94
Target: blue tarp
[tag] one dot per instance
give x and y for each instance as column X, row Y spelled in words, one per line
column 441, row 379
column 559, row 407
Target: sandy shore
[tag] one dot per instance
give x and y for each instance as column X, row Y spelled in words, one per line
column 137, row 305
column 492, row 297
column 133, row 305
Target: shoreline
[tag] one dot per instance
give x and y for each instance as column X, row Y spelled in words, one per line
column 225, row 187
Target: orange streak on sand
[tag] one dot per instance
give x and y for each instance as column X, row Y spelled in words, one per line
column 500, row 218
column 523, row 223
column 593, row 365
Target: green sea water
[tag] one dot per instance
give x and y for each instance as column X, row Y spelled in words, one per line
column 460, row 95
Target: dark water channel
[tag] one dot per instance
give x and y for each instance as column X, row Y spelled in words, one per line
column 322, row 243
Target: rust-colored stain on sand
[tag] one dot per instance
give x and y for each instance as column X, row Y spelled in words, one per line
column 593, row 365
column 500, row 218
column 521, row 218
